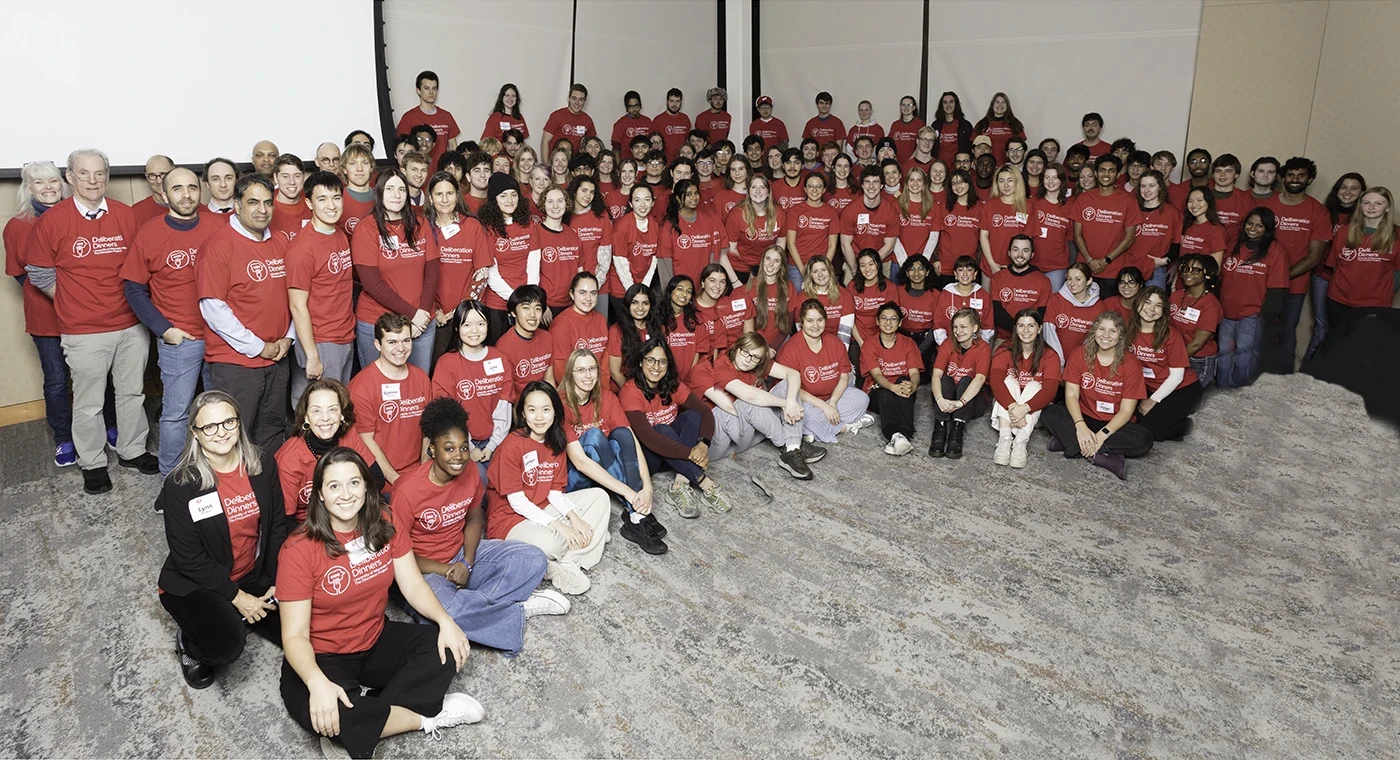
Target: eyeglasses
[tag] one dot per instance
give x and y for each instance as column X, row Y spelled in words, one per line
column 654, row 361
column 88, row 176
column 1197, row 270
column 229, row 424
column 887, row 318
column 591, row 369
column 155, row 176
column 750, row 355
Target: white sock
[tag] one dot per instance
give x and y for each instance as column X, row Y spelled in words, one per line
column 793, row 447
column 636, row 517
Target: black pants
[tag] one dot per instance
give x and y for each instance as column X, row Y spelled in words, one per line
column 262, row 398
column 401, row 669
column 1108, row 287
column 744, row 273
column 1168, row 419
column 1132, row 440
column 441, row 337
column 927, row 348
column 896, row 412
column 1336, row 312
column 214, row 631
column 497, row 323
column 974, row 408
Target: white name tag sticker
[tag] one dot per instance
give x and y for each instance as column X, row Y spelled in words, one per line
column 305, row 222
column 505, row 126
column 1191, row 313
column 205, row 507
column 737, row 304
column 1147, row 372
column 389, row 391
column 356, row 550
column 1105, row 407
column 1044, row 232
column 1022, row 219
column 450, row 230
column 862, row 219
column 493, row 366
column 975, row 303
column 531, row 460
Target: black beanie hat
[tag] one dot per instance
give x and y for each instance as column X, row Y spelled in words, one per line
column 499, row 183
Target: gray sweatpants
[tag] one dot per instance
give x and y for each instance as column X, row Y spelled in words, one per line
column 753, row 424
column 851, row 405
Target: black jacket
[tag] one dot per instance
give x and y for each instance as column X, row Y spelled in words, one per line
column 964, row 140
column 201, row 554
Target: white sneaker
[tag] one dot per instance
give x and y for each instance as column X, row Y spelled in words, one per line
column 901, row 445
column 457, row 708
column 545, row 601
column 332, row 751
column 568, row 578
column 865, row 421
column 889, row 447
column 1002, row 455
column 1018, row 454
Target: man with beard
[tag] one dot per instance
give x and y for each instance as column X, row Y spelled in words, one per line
column 1304, row 230
column 673, row 126
column 264, row 157
column 1197, row 175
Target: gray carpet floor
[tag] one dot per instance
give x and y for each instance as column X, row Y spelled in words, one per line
column 1236, row 598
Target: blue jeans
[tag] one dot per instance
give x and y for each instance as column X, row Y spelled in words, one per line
column 180, row 368
column 795, row 277
column 1158, row 277
column 1238, row 360
column 685, row 430
column 615, row 452
column 421, row 355
column 1318, row 286
column 488, row 609
column 1056, row 278
column 1204, row 367
column 1288, row 324
column 58, row 408
column 482, row 466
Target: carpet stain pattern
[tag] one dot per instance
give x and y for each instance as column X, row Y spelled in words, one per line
column 1237, row 597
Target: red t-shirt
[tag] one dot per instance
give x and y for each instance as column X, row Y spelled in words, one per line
column 820, row 370
column 462, row 250
column 163, row 258
column 1001, row 222
column 825, row 130
column 478, row 384
column 626, row 128
column 976, row 360
column 240, row 507
column 561, row 255
column 593, row 232
column 288, row 219
column 444, row 126
column 512, row 257
column 1001, row 133
column 1232, row 209
column 1014, row 293
column 894, row 362
column 866, row 306
column 147, row 209
column 786, row 196
column 1105, row 220
column 39, row 316
column 574, row 126
column 296, row 465
column 874, row 131
column 1048, row 375
column 571, row 331
column 609, row 418
column 905, row 135
column 674, row 128
column 400, row 263
column 841, row 197
column 696, row 244
column 950, row 302
column 868, row 227
column 526, row 359
column 521, row 465
column 769, row 331
column 618, row 203
column 717, row 124
column 814, row 227
column 251, row 278
column 773, row 131
column 389, row 409
column 1098, row 149
column 947, row 146
column 1363, row 276
column 750, row 244
column 348, row 594
column 1298, row 227
column 961, row 236
column 724, row 322
column 657, row 411
column 1053, row 231
column 685, row 345
column 726, row 201
column 1159, row 229
column 916, row 226
column 1157, row 363
column 1101, row 390
column 320, row 265
column 637, row 248
column 438, row 513
column 1203, row 238
column 1243, row 285
column 1191, row 314
column 354, row 210
column 836, row 306
column 1071, row 321
column 497, row 124
column 87, row 256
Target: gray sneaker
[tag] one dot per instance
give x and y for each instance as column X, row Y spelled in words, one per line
column 811, row 452
column 717, row 500
column 795, row 464
column 684, row 502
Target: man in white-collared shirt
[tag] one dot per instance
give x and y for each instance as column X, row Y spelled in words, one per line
column 220, row 175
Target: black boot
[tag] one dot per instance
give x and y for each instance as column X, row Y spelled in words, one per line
column 940, row 438
column 955, row 438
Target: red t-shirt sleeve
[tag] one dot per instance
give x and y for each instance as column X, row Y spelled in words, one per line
column 295, row 571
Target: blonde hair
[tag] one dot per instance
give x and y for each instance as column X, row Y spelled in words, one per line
column 1018, row 195
column 810, row 287
column 781, row 317
column 1384, row 237
column 1091, row 344
column 770, row 219
column 193, row 465
column 925, row 203
column 33, row 171
column 568, row 391
column 491, row 146
column 515, row 167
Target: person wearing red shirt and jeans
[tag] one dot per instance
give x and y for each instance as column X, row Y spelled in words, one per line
column 1253, row 281
column 319, row 284
column 1105, row 224
column 241, row 280
column 160, row 287
column 75, row 257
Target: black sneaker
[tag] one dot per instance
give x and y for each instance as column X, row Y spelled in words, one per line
column 96, row 481
column 197, row 674
column 811, row 452
column 795, row 464
column 146, row 463
column 653, row 525
column 638, row 534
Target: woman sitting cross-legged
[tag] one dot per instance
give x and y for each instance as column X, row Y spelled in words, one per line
column 487, row 586
column 746, row 414
column 674, row 427
column 831, row 404
column 333, row 578
column 603, row 452
column 224, row 523
column 527, row 500
column 1025, row 378
column 894, row 366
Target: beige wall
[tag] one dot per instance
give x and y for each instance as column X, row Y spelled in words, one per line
column 1289, row 77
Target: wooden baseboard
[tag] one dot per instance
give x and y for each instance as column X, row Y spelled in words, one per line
column 17, row 413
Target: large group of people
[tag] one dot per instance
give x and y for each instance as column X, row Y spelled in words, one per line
column 480, row 345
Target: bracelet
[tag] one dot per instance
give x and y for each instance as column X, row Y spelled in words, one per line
column 468, row 564
column 1081, row 422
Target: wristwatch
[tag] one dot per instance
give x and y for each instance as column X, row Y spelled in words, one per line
column 705, row 440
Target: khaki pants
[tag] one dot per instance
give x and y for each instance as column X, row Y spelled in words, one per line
column 91, row 358
column 593, row 506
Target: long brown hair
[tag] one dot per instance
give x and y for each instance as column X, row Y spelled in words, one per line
column 1037, row 346
column 568, row 395
column 1162, row 327
column 1091, row 344
column 782, row 319
column 373, row 524
column 750, row 214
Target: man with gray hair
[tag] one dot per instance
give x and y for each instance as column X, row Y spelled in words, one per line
column 76, row 257
column 153, row 206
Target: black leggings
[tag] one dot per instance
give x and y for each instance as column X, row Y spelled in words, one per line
column 401, row 669
column 497, row 324
column 1131, row 440
column 896, row 412
column 1108, row 287
column 214, row 630
column 974, row 408
column 1167, row 420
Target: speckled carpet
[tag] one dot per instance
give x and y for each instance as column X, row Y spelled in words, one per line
column 1236, row 598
